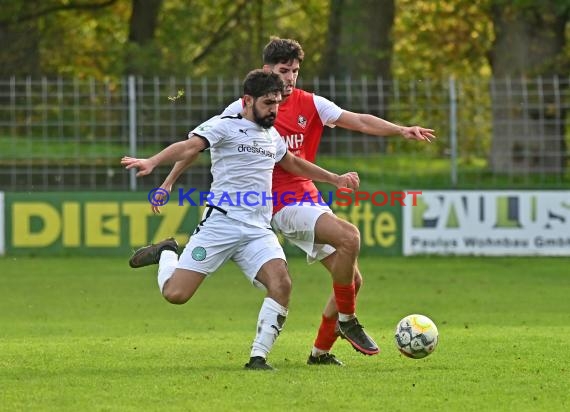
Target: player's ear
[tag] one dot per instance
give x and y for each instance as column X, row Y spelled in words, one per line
column 267, row 68
column 247, row 100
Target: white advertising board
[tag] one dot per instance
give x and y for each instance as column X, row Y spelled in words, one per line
column 494, row 223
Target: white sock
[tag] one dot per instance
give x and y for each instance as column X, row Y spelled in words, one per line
column 343, row 317
column 316, row 352
column 166, row 265
column 269, row 324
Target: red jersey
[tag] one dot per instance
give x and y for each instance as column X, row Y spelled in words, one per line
column 300, row 122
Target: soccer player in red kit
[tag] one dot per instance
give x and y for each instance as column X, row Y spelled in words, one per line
column 311, row 225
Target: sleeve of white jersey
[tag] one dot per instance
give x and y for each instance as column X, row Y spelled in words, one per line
column 328, row 111
column 212, row 130
column 234, row 108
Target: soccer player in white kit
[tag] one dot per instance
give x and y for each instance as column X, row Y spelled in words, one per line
column 244, row 150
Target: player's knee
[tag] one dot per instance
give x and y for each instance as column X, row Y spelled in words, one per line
column 281, row 285
column 280, row 288
column 349, row 238
column 286, row 285
column 175, row 295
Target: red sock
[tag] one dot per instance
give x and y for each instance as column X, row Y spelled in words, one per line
column 345, row 297
column 326, row 336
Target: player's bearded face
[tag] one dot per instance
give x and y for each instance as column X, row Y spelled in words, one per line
column 266, row 119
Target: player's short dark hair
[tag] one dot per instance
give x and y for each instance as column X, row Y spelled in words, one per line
column 260, row 82
column 282, row 51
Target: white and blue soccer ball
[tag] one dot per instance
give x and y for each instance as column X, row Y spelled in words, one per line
column 416, row 336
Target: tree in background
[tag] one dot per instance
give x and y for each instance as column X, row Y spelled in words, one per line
column 22, row 31
column 359, row 45
column 56, row 37
column 19, row 37
column 108, row 38
column 434, row 42
column 226, row 37
column 142, row 51
column 528, row 120
column 359, row 39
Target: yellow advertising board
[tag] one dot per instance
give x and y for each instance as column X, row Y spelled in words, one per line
column 95, row 223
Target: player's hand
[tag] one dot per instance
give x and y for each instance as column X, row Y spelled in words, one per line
column 155, row 206
column 144, row 166
column 349, row 180
column 418, row 133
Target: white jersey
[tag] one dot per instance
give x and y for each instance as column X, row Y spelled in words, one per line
column 243, row 157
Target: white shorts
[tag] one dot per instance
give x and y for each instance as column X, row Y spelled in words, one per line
column 219, row 238
column 297, row 224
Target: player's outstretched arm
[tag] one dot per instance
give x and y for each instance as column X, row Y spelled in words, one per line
column 372, row 125
column 179, row 151
column 301, row 167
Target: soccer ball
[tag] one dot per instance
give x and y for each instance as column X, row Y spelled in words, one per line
column 416, row 336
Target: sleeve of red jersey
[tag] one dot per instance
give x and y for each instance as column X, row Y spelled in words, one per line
column 328, row 111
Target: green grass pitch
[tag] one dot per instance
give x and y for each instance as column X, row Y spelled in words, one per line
column 91, row 334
